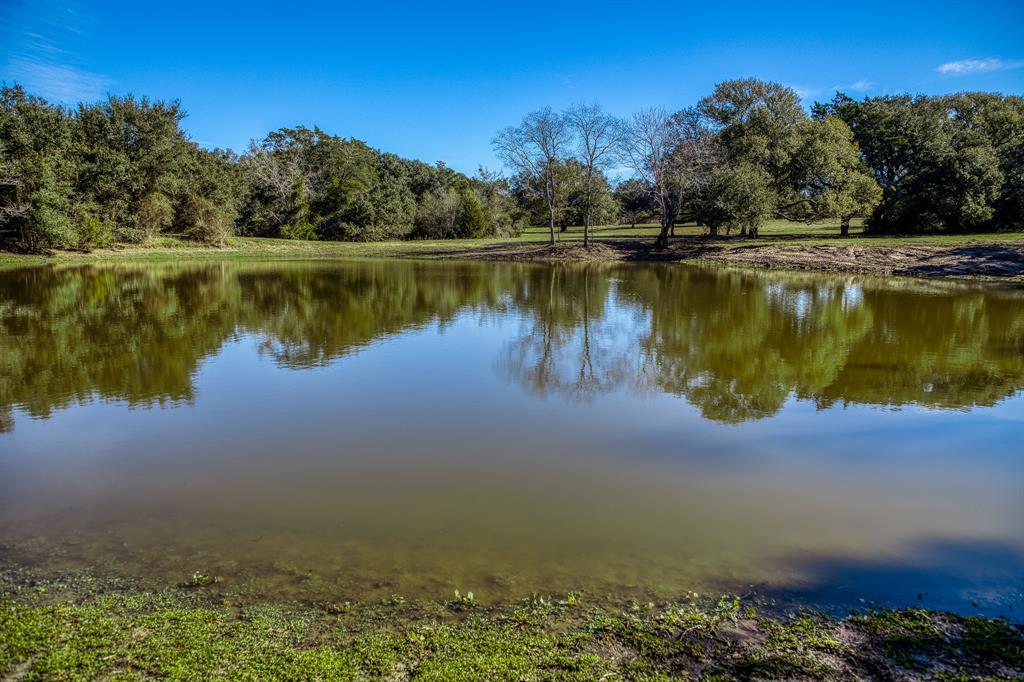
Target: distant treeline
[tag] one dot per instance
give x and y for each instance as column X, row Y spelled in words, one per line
column 123, row 170
column 750, row 151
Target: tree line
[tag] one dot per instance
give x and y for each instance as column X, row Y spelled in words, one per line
column 749, row 151
column 123, row 169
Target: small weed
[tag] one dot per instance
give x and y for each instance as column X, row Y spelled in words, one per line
column 462, row 602
column 200, row 579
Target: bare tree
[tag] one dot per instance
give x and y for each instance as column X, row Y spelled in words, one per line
column 596, row 136
column 697, row 154
column 534, row 149
column 649, row 140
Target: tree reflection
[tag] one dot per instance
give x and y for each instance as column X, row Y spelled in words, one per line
column 573, row 343
column 737, row 345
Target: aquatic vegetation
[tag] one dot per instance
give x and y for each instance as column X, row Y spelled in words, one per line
column 84, row 626
column 199, row 579
column 462, row 602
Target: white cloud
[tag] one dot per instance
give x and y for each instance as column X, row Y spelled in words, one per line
column 36, row 56
column 58, row 82
column 804, row 93
column 968, row 66
column 860, row 85
column 856, row 86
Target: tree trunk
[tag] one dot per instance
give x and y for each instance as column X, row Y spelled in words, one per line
column 844, row 228
column 586, row 230
column 662, row 241
column 551, row 213
column 712, row 230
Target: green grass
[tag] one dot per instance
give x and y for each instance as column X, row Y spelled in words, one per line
column 775, row 232
column 83, row 626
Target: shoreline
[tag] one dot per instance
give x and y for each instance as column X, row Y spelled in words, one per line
column 88, row 625
column 989, row 261
column 990, row 257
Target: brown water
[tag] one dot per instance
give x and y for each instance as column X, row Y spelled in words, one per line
column 362, row 429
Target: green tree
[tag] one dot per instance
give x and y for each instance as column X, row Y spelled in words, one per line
column 741, row 197
column 506, row 218
column 829, row 179
column 757, row 123
column 634, row 201
column 949, row 162
column 129, row 155
column 36, row 172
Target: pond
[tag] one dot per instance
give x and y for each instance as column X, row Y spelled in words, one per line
column 358, row 430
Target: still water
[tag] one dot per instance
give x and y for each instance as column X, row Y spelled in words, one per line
column 364, row 429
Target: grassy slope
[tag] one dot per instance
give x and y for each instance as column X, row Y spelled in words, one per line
column 776, row 232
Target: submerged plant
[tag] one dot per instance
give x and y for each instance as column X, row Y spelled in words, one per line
column 200, row 579
column 571, row 599
column 462, row 601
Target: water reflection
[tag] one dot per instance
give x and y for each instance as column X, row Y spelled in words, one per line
column 735, row 344
column 338, row 430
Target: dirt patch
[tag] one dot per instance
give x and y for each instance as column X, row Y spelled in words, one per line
column 993, row 260
column 568, row 252
column 927, row 260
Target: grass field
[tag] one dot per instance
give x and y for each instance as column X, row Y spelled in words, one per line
column 778, row 233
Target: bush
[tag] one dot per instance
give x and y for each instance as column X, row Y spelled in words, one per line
column 48, row 226
column 205, row 222
column 155, row 213
column 300, row 230
column 93, row 231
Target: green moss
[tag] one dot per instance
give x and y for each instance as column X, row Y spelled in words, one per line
column 906, row 636
column 993, row 640
column 803, row 646
column 82, row 627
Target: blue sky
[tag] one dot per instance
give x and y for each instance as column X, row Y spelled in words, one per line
column 434, row 81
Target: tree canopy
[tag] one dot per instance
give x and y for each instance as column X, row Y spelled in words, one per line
column 123, row 169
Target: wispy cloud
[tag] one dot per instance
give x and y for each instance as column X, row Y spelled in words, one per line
column 859, row 86
column 856, row 86
column 803, row 92
column 806, row 93
column 964, row 67
column 36, row 52
column 58, row 82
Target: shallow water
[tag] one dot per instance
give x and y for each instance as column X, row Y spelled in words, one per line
column 363, row 429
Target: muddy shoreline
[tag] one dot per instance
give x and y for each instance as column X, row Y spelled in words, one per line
column 976, row 259
column 985, row 261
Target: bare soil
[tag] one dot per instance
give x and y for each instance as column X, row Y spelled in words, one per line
column 1001, row 261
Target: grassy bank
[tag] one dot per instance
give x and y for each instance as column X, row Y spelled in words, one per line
column 82, row 626
column 781, row 245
